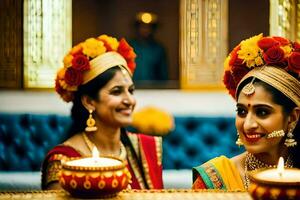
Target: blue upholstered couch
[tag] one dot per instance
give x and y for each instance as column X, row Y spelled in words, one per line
column 26, row 138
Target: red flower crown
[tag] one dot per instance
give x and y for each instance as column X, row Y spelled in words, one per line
column 77, row 62
column 258, row 51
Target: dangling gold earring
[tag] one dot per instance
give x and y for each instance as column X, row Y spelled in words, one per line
column 290, row 141
column 239, row 141
column 90, row 123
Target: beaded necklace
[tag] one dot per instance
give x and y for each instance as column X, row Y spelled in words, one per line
column 91, row 145
column 252, row 163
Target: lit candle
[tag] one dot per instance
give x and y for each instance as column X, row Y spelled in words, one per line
column 277, row 183
column 280, row 166
column 280, row 174
column 95, row 153
column 94, row 161
column 94, row 177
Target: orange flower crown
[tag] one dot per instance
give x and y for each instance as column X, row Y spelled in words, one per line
column 90, row 58
column 259, row 51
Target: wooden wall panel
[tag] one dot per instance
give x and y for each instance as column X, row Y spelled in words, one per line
column 11, row 43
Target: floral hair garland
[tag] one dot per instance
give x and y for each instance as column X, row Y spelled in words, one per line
column 78, row 60
column 258, row 51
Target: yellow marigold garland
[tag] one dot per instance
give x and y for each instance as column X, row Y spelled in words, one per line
column 152, row 120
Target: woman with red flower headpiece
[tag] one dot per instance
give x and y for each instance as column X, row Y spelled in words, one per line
column 97, row 79
column 263, row 75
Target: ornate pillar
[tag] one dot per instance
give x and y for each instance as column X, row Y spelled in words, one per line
column 285, row 18
column 203, row 43
column 47, row 37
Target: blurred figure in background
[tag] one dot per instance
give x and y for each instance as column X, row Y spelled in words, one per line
column 151, row 55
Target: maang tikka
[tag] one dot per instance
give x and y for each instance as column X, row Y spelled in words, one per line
column 249, row 88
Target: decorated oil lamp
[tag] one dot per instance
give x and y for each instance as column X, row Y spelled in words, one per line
column 275, row 183
column 94, row 177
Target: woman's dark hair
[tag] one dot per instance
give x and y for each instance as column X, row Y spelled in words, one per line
column 79, row 113
column 287, row 104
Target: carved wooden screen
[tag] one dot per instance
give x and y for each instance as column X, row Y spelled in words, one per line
column 47, row 37
column 11, row 38
column 285, row 18
column 203, row 43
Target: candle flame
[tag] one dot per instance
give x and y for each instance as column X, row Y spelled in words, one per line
column 280, row 166
column 95, row 152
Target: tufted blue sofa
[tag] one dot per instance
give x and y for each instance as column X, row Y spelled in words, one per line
column 26, row 138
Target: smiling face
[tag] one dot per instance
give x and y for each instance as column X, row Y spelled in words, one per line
column 116, row 101
column 257, row 116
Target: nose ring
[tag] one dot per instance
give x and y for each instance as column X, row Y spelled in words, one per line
column 126, row 101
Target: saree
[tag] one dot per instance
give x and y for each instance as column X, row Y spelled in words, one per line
column 144, row 161
column 218, row 173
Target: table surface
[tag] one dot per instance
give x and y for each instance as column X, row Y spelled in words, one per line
column 166, row 194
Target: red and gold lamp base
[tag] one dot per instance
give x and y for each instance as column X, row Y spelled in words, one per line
column 94, row 182
column 263, row 189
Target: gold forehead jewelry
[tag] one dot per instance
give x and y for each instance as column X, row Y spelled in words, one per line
column 249, row 88
column 102, row 63
column 277, row 78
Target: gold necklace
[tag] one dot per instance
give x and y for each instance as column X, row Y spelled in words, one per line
column 252, row 163
column 91, row 145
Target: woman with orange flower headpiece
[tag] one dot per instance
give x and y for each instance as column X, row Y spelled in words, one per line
column 97, row 79
column 263, row 75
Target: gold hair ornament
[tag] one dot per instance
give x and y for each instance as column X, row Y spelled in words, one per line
column 102, row 63
column 279, row 79
column 249, row 88
column 270, row 52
